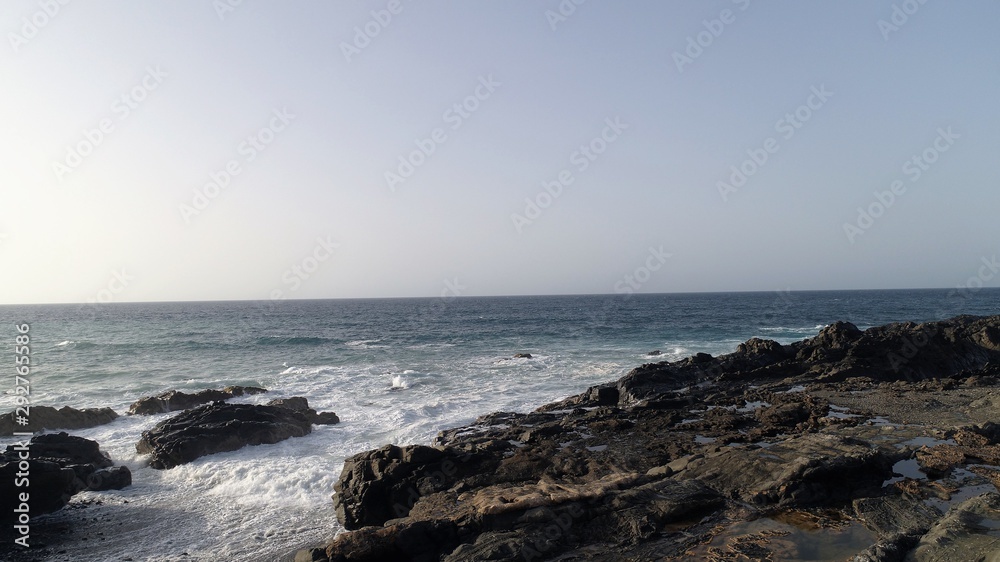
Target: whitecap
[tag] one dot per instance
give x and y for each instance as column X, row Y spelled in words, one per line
column 400, row 383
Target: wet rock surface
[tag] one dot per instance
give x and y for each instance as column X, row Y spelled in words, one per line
column 300, row 404
column 174, row 400
column 851, row 444
column 219, row 427
column 51, row 468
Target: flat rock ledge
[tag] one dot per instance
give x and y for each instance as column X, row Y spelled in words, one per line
column 879, row 439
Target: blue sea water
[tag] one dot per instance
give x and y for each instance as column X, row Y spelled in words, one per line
column 394, row 370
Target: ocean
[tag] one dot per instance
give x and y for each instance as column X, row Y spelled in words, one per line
column 394, row 370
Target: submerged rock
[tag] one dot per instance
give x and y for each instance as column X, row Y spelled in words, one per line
column 174, row 400
column 46, row 417
column 219, row 427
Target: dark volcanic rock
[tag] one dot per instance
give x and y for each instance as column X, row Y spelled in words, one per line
column 219, row 427
column 810, row 470
column 58, row 466
column 65, row 450
column 300, row 404
column 657, row 464
column 383, row 484
column 46, row 417
column 174, row 400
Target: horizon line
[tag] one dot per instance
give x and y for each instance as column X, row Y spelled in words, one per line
column 623, row 296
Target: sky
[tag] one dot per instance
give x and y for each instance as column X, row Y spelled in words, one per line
column 231, row 150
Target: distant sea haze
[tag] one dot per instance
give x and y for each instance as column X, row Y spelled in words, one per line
column 394, row 371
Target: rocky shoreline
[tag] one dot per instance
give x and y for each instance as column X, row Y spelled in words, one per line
column 865, row 445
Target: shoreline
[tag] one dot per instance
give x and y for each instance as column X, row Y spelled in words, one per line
column 739, row 440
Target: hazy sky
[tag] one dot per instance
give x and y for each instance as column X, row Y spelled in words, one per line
column 190, row 150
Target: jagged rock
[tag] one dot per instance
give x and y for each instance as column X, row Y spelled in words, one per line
column 383, row 484
column 216, row 428
column 65, row 450
column 58, row 466
column 174, row 400
column 300, row 404
column 46, row 417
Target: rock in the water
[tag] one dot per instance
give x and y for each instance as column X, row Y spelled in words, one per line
column 654, row 353
column 219, row 427
column 174, row 400
column 300, row 404
column 326, row 418
column 46, row 417
column 522, row 356
column 59, row 465
column 113, row 478
column 65, row 450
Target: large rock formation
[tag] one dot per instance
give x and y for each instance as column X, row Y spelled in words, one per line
column 680, row 460
column 51, row 468
column 219, row 427
column 47, row 417
column 173, row 400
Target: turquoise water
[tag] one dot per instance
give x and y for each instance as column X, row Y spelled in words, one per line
column 394, row 371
